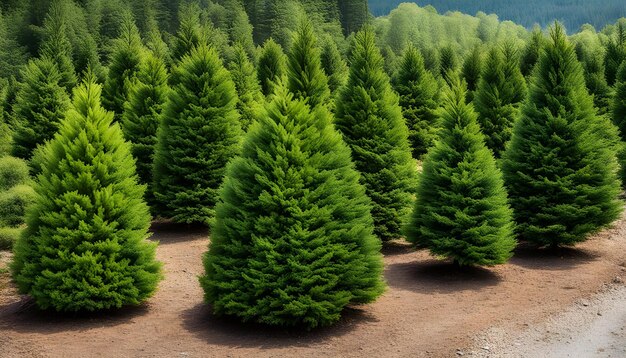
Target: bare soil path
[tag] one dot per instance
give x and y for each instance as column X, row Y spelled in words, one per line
column 429, row 309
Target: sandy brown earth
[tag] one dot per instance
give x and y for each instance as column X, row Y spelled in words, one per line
column 429, row 309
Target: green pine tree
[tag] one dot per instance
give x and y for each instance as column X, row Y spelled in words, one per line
column 333, row 65
column 615, row 54
column 370, row 118
column 532, row 51
column 305, row 77
column 199, row 133
column 471, row 71
column 461, row 211
column 618, row 108
column 560, row 166
column 419, row 99
column 57, row 46
column 124, row 65
column 85, row 248
column 39, row 107
column 272, row 66
column 248, row 88
column 448, row 61
column 292, row 243
column 190, row 34
column 146, row 98
column 501, row 90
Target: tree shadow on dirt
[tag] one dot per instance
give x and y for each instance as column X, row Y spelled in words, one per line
column 396, row 247
column 438, row 276
column 560, row 258
column 25, row 317
column 229, row 332
column 167, row 233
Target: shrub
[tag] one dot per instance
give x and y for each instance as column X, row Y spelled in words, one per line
column 8, row 237
column 13, row 204
column 13, row 171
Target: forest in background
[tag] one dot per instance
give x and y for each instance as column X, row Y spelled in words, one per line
column 573, row 13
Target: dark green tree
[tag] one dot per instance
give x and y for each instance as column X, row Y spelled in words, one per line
column 471, row 71
column 190, row 34
column 501, row 90
column 461, row 211
column 615, row 53
column 40, row 106
column 293, row 241
column 85, row 247
column 272, row 66
column 333, row 65
column 146, row 98
column 370, row 118
column 354, row 14
column 123, row 67
column 532, row 51
column 199, row 133
column 560, row 166
column 595, row 81
column 246, row 82
column 305, row 77
column 57, row 46
column 419, row 99
column 448, row 61
column 618, row 108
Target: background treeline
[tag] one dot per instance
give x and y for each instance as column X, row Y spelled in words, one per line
column 572, row 13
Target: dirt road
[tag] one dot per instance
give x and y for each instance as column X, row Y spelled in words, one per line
column 429, row 309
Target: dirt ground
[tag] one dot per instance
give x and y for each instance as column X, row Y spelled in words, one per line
column 429, row 309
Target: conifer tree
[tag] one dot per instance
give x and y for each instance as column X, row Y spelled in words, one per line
column 501, row 90
column 271, row 66
column 461, row 211
column 615, row 54
column 124, row 65
column 370, row 118
column 244, row 76
column 292, row 243
column 85, row 247
column 419, row 99
column 333, row 65
column 190, row 34
column 596, row 82
column 448, row 61
column 618, row 108
column 40, row 105
column 560, row 167
column 57, row 46
column 146, row 98
column 471, row 71
column 530, row 54
column 305, row 77
column 199, row 133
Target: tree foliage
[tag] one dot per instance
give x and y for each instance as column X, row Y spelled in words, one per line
column 560, row 167
column 85, row 247
column 244, row 76
column 370, row 118
column 199, row 133
column 461, row 211
column 292, row 243
column 272, row 66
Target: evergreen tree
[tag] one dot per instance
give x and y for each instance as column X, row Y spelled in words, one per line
column 272, row 66
column 618, row 108
column 419, row 99
column 333, row 65
column 57, row 46
column 190, row 34
column 306, row 79
column 199, row 133
column 531, row 52
column 40, row 105
column 354, row 14
column 500, row 92
column 448, row 61
column 370, row 118
column 125, row 63
column 146, row 98
column 292, row 243
column 615, row 53
column 560, row 167
column 85, row 248
column 596, row 82
column 461, row 211
column 244, row 76
column 471, row 71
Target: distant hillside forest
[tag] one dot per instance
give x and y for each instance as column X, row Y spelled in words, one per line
column 572, row 13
